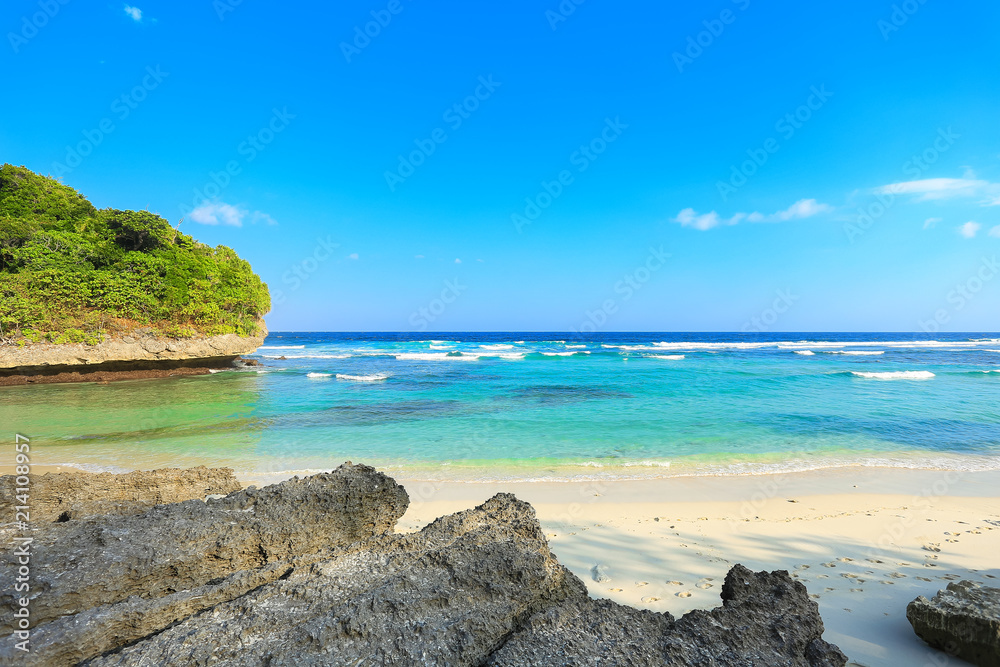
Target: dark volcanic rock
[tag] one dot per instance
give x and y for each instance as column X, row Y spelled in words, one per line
column 64, row 496
column 448, row 595
column 84, row 564
column 766, row 619
column 963, row 620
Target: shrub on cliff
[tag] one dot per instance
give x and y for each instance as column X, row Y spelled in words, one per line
column 70, row 272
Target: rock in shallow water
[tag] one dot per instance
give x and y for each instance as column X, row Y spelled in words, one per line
column 305, row 573
column 963, row 620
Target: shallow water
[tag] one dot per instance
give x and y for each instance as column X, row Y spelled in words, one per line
column 543, row 406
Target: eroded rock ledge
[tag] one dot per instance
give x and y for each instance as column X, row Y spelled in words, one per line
column 129, row 357
column 310, row 572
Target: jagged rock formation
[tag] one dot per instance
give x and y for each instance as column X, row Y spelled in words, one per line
column 64, row 496
column 309, row 572
column 962, row 620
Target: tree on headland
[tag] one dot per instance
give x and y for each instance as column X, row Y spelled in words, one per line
column 72, row 273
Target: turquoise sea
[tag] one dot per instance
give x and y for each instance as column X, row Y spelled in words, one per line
column 542, row 406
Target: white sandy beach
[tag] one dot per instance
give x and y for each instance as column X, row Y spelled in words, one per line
column 864, row 541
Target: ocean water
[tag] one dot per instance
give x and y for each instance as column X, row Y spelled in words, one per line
column 533, row 406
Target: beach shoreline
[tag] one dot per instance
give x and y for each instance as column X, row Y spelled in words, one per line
column 865, row 541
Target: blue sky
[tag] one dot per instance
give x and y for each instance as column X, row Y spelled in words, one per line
column 823, row 166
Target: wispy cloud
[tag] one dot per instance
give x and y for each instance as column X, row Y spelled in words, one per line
column 458, row 261
column 930, row 222
column 134, row 13
column 221, row 213
column 969, row 229
column 353, row 255
column 934, row 189
column 995, row 231
column 804, row 208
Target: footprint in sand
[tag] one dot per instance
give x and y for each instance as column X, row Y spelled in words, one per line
column 932, row 546
column 822, row 576
column 801, row 567
column 829, row 565
column 640, row 584
column 923, row 578
column 897, row 575
column 891, row 583
column 683, row 594
column 873, row 560
column 704, row 585
column 828, row 589
column 857, row 590
column 615, row 590
column 846, row 560
column 676, row 583
column 650, row 599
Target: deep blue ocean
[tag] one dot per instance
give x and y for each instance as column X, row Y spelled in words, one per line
column 543, row 406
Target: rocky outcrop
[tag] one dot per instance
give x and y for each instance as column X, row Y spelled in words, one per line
column 65, row 496
column 328, row 583
column 171, row 548
column 141, row 351
column 766, row 618
column 962, row 620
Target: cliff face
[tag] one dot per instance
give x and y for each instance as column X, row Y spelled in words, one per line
column 128, row 353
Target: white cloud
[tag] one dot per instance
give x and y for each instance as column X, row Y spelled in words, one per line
column 134, row 12
column 353, row 255
column 930, row 222
column 259, row 216
column 458, row 261
column 969, row 229
column 995, row 231
column 221, row 213
column 804, row 208
column 418, row 256
column 933, row 189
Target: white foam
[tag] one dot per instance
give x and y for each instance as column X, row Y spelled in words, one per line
column 895, row 375
column 672, row 357
column 856, row 353
column 308, row 356
column 281, row 347
column 441, row 347
column 562, row 354
column 433, row 356
column 374, row 377
column 318, row 375
column 575, row 347
column 808, row 353
column 498, row 346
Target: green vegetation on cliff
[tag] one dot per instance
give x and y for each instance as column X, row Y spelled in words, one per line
column 70, row 272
